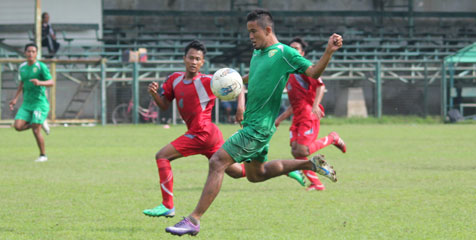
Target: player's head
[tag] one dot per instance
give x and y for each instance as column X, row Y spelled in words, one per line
column 260, row 27
column 31, row 50
column 299, row 44
column 194, row 57
column 45, row 17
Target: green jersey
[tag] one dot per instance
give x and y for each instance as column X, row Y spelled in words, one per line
column 34, row 97
column 269, row 72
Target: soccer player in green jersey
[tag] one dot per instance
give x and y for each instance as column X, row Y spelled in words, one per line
column 270, row 66
column 34, row 76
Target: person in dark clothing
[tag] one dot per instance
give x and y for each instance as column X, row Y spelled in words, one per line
column 48, row 36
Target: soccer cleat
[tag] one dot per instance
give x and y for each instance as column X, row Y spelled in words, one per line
column 320, row 166
column 298, row 176
column 184, row 227
column 338, row 142
column 160, row 211
column 42, row 159
column 315, row 187
column 46, row 127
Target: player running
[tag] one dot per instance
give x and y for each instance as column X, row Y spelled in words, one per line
column 34, row 76
column 195, row 101
column 305, row 96
column 270, row 66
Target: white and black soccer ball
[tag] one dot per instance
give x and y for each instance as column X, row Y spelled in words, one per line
column 226, row 84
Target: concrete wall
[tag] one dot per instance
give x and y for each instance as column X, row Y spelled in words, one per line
column 60, row 11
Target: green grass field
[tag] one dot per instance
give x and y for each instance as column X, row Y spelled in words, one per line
column 398, row 181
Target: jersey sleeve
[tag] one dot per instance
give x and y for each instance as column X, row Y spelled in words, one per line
column 45, row 72
column 206, row 80
column 168, row 89
column 299, row 63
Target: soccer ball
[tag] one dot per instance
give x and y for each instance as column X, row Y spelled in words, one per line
column 226, row 84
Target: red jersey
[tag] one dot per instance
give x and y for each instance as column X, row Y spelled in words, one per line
column 301, row 93
column 194, row 99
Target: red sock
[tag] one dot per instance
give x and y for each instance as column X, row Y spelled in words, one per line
column 243, row 171
column 311, row 175
column 166, row 182
column 320, row 144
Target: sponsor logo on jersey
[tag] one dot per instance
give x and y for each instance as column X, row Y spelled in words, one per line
column 272, row 52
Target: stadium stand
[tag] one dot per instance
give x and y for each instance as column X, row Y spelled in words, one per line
column 411, row 56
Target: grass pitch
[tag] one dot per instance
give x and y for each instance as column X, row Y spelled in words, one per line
column 396, row 182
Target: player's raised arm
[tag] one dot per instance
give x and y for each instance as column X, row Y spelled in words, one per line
column 161, row 101
column 334, row 43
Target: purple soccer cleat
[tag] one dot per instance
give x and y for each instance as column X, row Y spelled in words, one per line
column 184, row 227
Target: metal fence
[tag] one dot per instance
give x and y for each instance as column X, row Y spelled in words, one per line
column 97, row 91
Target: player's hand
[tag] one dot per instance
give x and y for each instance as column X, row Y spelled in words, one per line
column 317, row 111
column 277, row 122
column 36, row 82
column 335, row 42
column 239, row 115
column 12, row 103
column 153, row 87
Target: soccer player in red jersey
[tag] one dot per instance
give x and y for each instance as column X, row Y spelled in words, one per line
column 195, row 100
column 305, row 95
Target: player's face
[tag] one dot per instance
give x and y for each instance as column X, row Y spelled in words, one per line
column 193, row 60
column 257, row 35
column 298, row 47
column 30, row 53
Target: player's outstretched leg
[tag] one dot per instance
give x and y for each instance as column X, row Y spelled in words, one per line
column 338, row 142
column 333, row 138
column 320, row 166
column 298, row 176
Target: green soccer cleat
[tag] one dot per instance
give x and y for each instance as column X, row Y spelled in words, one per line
column 160, row 211
column 298, row 176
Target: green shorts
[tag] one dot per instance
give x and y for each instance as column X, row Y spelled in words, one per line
column 37, row 116
column 247, row 145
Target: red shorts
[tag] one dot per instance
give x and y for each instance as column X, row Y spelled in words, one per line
column 304, row 132
column 206, row 142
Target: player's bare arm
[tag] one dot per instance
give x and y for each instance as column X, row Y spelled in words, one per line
column 240, row 108
column 315, row 106
column 15, row 99
column 47, row 83
column 334, row 43
column 161, row 101
column 285, row 115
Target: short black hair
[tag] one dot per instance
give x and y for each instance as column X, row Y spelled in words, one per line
column 43, row 15
column 31, row 45
column 301, row 42
column 195, row 44
column 263, row 17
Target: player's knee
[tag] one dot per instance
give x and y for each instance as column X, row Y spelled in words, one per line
column 36, row 129
column 17, row 127
column 300, row 153
column 232, row 173
column 254, row 178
